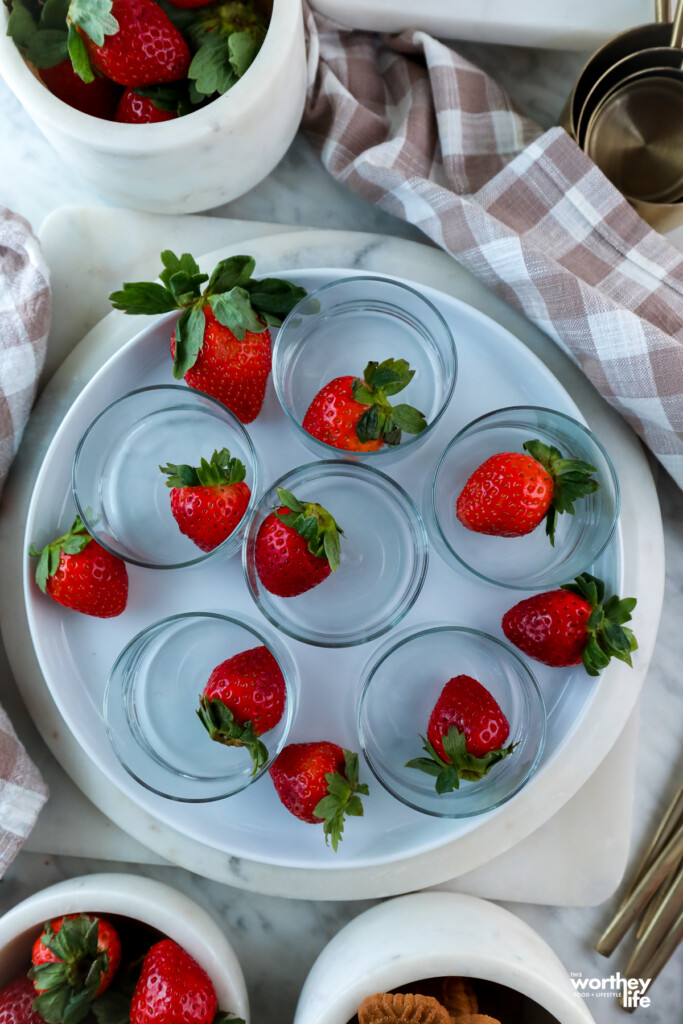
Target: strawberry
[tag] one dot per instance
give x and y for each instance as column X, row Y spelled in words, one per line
column 16, row 1002
column 74, row 961
column 465, row 735
column 133, row 42
column 208, row 501
column 97, row 98
column 225, row 38
column 78, row 573
column 221, row 342
column 511, row 493
column 297, row 546
column 244, row 698
column 318, row 782
column 572, row 625
column 172, row 989
column 356, row 414
column 135, row 109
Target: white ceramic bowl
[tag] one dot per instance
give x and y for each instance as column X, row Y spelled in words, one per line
column 141, row 899
column 430, row 935
column 195, row 162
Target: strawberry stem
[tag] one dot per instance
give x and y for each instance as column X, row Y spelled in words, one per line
column 607, row 636
column 220, row 471
column 382, row 420
column 343, row 797
column 460, row 764
column 315, row 524
column 571, row 478
column 67, row 987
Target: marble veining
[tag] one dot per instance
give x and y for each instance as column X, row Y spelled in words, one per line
column 278, row 939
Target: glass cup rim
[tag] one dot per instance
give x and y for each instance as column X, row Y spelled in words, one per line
column 509, row 409
column 250, row 626
column 378, row 658
column 344, row 281
column 240, row 429
column 356, row 467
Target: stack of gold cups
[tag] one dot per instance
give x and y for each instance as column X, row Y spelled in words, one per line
column 626, row 112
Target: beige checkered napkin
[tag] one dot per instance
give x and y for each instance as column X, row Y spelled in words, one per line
column 24, row 323
column 415, row 128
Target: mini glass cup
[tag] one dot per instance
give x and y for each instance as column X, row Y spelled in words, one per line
column 403, row 681
column 384, row 556
column 529, row 562
column 152, row 696
column 119, row 489
column 336, row 330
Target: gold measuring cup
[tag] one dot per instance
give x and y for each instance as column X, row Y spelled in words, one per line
column 633, row 40
column 635, row 134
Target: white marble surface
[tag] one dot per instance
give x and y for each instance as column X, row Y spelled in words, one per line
column 277, row 940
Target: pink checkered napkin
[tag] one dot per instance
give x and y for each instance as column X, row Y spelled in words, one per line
column 413, row 127
column 24, row 324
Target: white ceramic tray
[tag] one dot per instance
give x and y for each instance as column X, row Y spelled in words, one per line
column 581, row 24
column 277, row 254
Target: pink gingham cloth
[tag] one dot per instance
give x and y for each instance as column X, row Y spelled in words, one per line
column 24, row 324
column 410, row 125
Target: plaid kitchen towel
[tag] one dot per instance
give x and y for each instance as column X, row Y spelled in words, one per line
column 24, row 324
column 408, row 124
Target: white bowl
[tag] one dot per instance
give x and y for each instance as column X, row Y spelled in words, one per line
column 141, row 899
column 195, row 162
column 430, row 935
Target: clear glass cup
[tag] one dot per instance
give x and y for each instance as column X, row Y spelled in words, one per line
column 336, row 330
column 383, row 556
column 403, row 681
column 152, row 696
column 120, row 492
column 529, row 562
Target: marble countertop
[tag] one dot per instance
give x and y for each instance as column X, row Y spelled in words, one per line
column 278, row 939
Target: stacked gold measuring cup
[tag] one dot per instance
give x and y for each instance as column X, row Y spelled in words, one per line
column 626, row 112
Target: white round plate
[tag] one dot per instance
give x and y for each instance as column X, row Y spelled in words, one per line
column 76, row 652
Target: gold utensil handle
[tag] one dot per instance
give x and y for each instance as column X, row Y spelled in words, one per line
column 673, row 817
column 662, row 10
column 677, row 31
column 640, row 896
column 667, row 913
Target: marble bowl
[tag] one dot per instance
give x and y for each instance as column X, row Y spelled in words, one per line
column 429, row 935
column 142, row 899
column 196, row 162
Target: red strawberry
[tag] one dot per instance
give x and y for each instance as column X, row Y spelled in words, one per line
column 465, row 736
column 318, row 782
column 172, row 989
column 511, row 493
column 135, row 109
column 233, row 370
column 356, row 414
column 208, row 501
column 297, row 546
column 16, row 1002
column 97, row 98
column 74, row 961
column 144, row 49
column 572, row 625
column 78, row 573
column 244, row 698
column 221, row 342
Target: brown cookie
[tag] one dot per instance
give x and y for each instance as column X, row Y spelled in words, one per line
column 458, row 996
column 402, row 1008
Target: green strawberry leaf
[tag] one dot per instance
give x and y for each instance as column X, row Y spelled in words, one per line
column 315, row 524
column 21, row 24
column 460, row 763
column 172, row 96
column 138, row 297
column 230, row 273
column 71, row 543
column 210, row 69
column 381, row 419
column 234, row 310
column 343, row 797
column 189, row 336
column 242, row 48
column 221, row 470
column 94, row 17
column 572, row 481
column 220, row 723
column 287, row 499
column 608, row 637
column 53, row 14
column 175, row 264
column 409, row 419
column 274, row 297
column 112, row 1007
column 48, row 48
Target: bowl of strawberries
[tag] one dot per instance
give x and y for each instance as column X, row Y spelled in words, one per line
column 169, row 107
column 115, row 947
